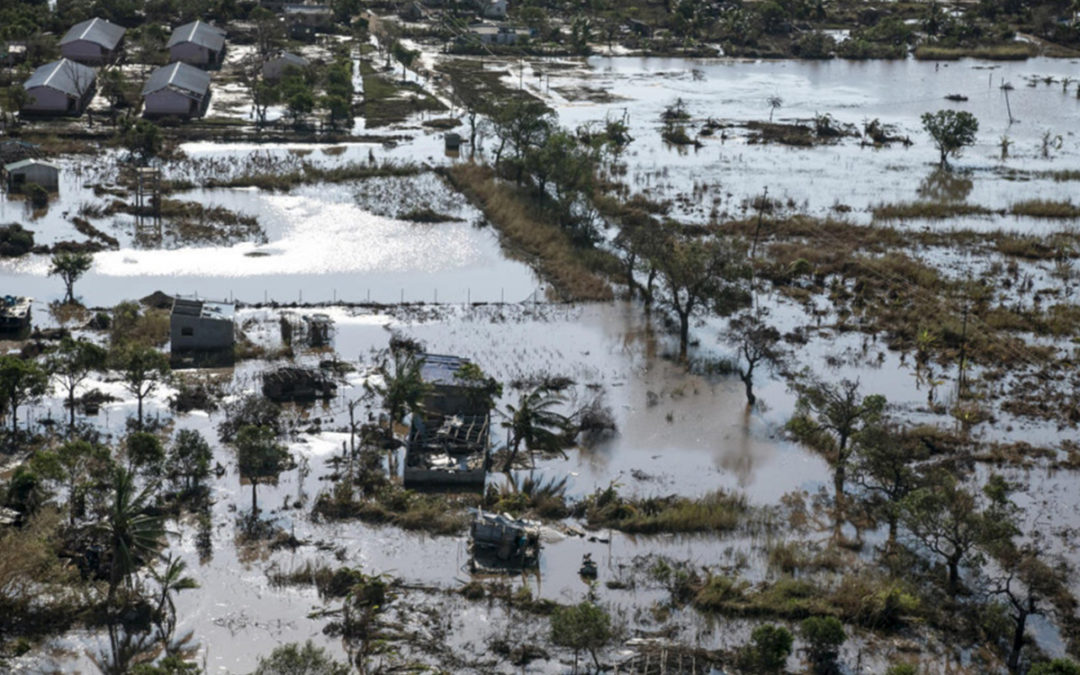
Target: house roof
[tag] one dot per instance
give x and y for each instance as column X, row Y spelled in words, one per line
column 62, row 75
column 306, row 9
column 98, row 31
column 442, row 369
column 200, row 33
column 221, row 311
column 22, row 164
column 180, row 76
column 290, row 59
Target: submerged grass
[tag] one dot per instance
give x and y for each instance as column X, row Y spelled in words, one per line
column 393, row 505
column 570, row 270
column 386, row 102
column 310, row 173
column 715, row 512
column 1013, row 51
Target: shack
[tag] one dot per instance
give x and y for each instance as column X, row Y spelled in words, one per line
column 304, row 21
column 197, row 43
column 318, row 329
column 22, row 173
column 95, row 41
column 201, row 333
column 501, row 543
column 490, row 34
column 14, row 313
column 450, row 443
column 291, row 383
column 274, row 68
column 177, row 89
column 62, row 87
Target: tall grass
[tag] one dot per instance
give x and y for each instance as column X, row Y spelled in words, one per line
column 1013, row 51
column 715, row 512
column 523, row 226
column 929, row 210
column 1045, row 208
column 310, row 173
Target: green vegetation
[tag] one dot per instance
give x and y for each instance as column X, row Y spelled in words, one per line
column 387, row 102
column 715, row 512
column 951, row 131
column 70, row 266
column 582, row 627
column 260, row 458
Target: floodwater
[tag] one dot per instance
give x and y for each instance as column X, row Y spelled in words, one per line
column 677, row 433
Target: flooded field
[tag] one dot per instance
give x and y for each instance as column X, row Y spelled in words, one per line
column 451, row 283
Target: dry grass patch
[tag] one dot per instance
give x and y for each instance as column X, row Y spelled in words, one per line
column 523, row 227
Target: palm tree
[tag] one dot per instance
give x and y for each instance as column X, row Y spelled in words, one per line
column 171, row 580
column 403, row 390
column 534, row 423
column 133, row 535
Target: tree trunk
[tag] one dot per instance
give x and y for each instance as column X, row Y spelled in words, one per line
column 684, row 334
column 953, row 564
column 254, row 503
column 139, row 414
column 839, row 476
column 1018, row 641
column 14, row 420
column 71, row 406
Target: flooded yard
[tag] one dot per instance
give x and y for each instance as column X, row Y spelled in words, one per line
column 408, row 259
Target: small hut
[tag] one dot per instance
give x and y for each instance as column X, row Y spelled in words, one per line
column 38, row 171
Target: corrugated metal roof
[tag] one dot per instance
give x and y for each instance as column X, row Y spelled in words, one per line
column 188, row 79
column 291, row 59
column 199, row 32
column 441, row 369
column 98, row 31
column 22, row 164
column 63, row 75
column 202, row 308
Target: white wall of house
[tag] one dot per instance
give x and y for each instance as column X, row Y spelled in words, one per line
column 45, row 176
column 84, row 52
column 45, row 99
column 168, row 102
column 191, row 53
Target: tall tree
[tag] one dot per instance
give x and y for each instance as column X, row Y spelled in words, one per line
column 830, row 418
column 582, row 626
column 951, row 131
column 756, row 343
column 260, row 457
column 70, row 266
column 132, row 534
column 698, row 274
column 71, row 363
column 947, row 519
column 403, row 388
column 189, row 459
column 143, row 368
column 21, row 381
column 171, row 580
column 73, row 464
column 534, row 422
column 885, row 470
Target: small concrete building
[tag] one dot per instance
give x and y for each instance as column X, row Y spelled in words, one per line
column 176, row 89
column 490, row 34
column 197, row 43
column 59, row 88
column 493, row 9
column 304, row 21
column 24, row 172
column 201, row 332
column 95, row 41
column 275, row 66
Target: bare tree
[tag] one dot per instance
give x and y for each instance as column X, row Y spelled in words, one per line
column 756, row 343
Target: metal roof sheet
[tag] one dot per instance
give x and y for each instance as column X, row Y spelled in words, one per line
column 200, row 33
column 178, row 75
column 204, row 309
column 63, row 75
column 442, row 369
column 22, row 164
column 98, row 31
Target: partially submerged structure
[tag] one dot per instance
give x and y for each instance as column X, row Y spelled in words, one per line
column 502, row 543
column 294, row 384
column 32, row 171
column 201, row 333
column 14, row 313
column 62, row 87
column 449, row 444
column 304, row 20
column 95, row 41
column 197, row 43
column 178, row 90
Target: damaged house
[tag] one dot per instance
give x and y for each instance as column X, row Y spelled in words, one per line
column 449, row 444
column 201, row 333
column 292, row 384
